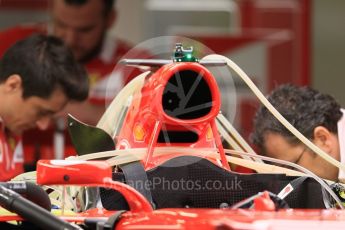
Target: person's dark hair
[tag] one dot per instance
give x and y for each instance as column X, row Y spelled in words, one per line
column 305, row 108
column 44, row 63
column 108, row 4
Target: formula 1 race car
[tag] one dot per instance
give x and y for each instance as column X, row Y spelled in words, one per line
column 156, row 160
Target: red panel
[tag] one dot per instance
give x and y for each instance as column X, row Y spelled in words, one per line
column 287, row 61
column 248, row 109
column 292, row 16
column 24, row 4
column 282, row 66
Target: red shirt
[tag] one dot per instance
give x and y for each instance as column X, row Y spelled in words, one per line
column 11, row 155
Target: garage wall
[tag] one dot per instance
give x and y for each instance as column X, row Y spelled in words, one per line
column 328, row 47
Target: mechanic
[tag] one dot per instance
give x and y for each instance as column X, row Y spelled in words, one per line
column 316, row 115
column 38, row 77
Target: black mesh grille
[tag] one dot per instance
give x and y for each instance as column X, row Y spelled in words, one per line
column 214, row 186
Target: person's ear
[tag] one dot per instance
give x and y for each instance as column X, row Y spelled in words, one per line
column 111, row 18
column 13, row 83
column 324, row 139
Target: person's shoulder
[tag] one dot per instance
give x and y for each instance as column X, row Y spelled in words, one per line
column 124, row 43
column 115, row 48
column 22, row 31
column 11, row 35
column 129, row 50
column 122, row 46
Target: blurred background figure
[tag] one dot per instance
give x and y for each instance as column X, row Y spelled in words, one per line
column 83, row 25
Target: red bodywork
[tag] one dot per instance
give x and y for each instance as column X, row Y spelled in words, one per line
column 146, row 117
column 141, row 215
column 145, row 120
